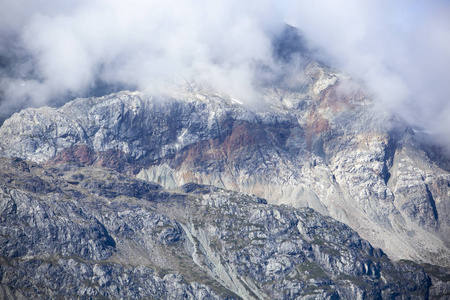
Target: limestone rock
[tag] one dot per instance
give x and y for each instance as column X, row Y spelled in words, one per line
column 319, row 143
column 196, row 242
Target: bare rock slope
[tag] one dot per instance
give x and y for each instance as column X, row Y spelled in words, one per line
column 86, row 232
column 318, row 142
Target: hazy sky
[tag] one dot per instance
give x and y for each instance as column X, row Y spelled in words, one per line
column 401, row 49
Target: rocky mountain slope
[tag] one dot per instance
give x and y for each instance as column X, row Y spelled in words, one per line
column 317, row 142
column 86, row 232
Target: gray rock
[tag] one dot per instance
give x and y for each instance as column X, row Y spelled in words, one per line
column 198, row 242
column 324, row 146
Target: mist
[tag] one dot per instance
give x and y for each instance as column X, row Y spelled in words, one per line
column 51, row 51
column 400, row 49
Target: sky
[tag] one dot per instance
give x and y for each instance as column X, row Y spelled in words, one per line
column 58, row 49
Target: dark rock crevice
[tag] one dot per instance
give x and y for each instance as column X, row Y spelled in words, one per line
column 433, row 204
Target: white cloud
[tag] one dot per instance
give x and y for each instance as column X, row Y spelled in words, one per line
column 140, row 43
column 401, row 49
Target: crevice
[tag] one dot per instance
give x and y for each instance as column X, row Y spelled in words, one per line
column 386, row 174
column 388, row 161
column 432, row 203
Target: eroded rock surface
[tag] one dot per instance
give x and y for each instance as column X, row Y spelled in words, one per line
column 319, row 142
column 67, row 240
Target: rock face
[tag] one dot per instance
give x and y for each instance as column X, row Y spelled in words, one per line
column 318, row 142
column 69, row 231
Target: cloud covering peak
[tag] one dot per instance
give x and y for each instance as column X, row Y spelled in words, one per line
column 52, row 49
column 134, row 43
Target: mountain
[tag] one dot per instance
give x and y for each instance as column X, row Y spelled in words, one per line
column 196, row 193
column 322, row 144
column 79, row 232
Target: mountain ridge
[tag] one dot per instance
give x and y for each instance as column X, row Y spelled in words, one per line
column 77, row 231
column 321, row 143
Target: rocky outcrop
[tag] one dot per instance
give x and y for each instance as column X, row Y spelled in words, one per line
column 318, row 142
column 89, row 232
